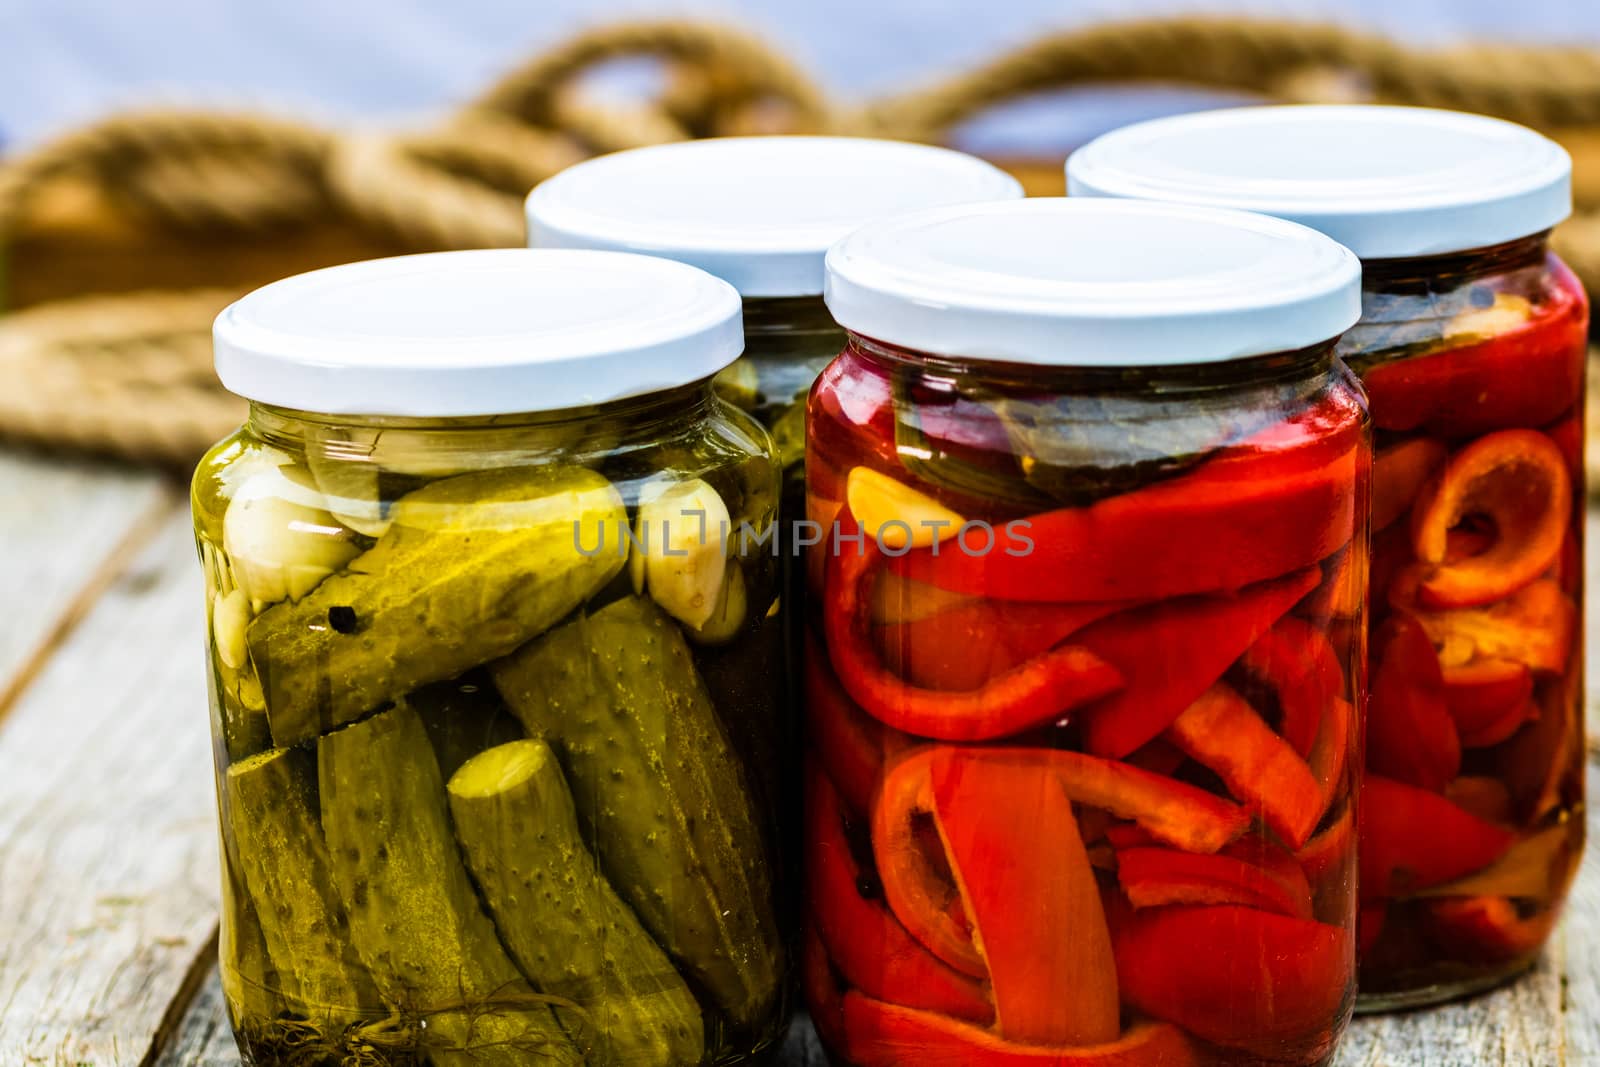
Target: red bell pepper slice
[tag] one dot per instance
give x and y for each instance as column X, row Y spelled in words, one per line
column 1535, row 626
column 1170, row 653
column 1411, row 839
column 963, row 646
column 1524, row 377
column 851, row 744
column 1222, row 731
column 1411, row 736
column 1398, row 474
column 868, row 945
column 920, row 889
column 1298, row 662
column 1488, row 699
column 1158, row 757
column 1488, row 929
column 1014, row 848
column 1487, row 798
column 886, row 1035
column 1030, row 695
column 921, row 892
column 1518, row 480
column 1239, row 977
column 1290, row 491
column 1152, row 877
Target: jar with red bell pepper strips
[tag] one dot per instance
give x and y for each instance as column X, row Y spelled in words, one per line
column 1090, row 489
column 1471, row 346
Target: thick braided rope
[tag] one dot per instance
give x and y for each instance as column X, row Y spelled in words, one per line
column 131, row 374
column 737, row 64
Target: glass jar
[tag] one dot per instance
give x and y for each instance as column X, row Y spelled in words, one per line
column 1471, row 346
column 488, row 571
column 1086, row 640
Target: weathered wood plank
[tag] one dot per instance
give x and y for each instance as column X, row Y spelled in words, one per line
column 203, row 1038
column 108, row 865
column 60, row 523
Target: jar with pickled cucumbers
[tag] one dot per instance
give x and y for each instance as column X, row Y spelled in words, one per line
column 1086, row 666
column 489, row 580
column 1471, row 346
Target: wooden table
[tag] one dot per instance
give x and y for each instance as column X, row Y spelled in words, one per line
column 108, row 861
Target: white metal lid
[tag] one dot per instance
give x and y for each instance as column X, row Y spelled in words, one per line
column 490, row 332
column 757, row 211
column 1093, row 282
column 1384, row 181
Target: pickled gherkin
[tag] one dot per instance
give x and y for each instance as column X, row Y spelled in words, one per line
column 415, row 919
column 284, row 861
column 470, row 568
column 660, row 791
column 559, row 917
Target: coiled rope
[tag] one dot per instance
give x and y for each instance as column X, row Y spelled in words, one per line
column 129, row 374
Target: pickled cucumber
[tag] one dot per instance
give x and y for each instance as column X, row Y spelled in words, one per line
column 559, row 917
column 660, row 792
column 249, row 982
column 283, row 861
column 414, row 916
column 470, row 568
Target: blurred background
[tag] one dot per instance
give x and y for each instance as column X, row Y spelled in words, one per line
column 70, row 61
column 159, row 159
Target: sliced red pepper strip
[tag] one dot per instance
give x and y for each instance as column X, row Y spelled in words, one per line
column 1016, row 854
column 1152, row 877
column 1487, row 798
column 1299, row 663
column 886, row 1035
column 851, row 744
column 1410, row 734
column 1278, row 502
column 1398, row 475
column 1488, row 929
column 1222, row 731
column 1411, row 839
column 1034, row 693
column 1488, row 699
column 1535, row 626
column 1158, row 757
column 1524, row 377
column 1238, row 977
column 1518, row 480
column 963, row 646
column 920, row 893
column 868, row 945
column 1171, row 653
column 1171, row 811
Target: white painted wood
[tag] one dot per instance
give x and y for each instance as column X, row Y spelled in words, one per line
column 108, row 864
